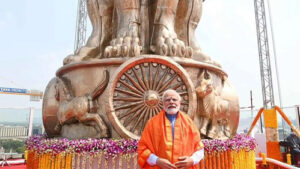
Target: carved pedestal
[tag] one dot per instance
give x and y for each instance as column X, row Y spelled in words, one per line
column 115, row 97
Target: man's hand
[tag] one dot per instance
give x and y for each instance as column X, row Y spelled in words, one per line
column 165, row 164
column 184, row 162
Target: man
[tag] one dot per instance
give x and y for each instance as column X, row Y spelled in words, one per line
column 170, row 139
column 294, row 143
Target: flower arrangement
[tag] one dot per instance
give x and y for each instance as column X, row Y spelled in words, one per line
column 43, row 152
column 237, row 143
column 109, row 147
column 112, row 147
column 237, row 152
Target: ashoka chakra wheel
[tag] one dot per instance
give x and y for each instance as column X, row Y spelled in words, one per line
column 136, row 88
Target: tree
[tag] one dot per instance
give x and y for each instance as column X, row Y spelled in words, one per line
column 14, row 145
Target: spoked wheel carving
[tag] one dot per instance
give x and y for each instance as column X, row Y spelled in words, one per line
column 136, row 90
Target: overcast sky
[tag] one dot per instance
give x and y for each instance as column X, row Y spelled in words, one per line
column 35, row 37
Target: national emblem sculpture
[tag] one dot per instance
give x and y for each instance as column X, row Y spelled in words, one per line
column 102, row 92
column 129, row 28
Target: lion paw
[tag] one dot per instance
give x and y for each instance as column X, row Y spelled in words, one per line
column 125, row 45
column 166, row 43
column 72, row 59
column 84, row 53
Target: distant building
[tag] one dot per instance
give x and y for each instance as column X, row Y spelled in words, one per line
column 13, row 131
column 37, row 130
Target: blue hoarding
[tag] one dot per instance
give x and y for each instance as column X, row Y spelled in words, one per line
column 13, row 90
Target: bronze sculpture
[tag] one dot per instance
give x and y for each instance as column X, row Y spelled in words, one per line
column 214, row 108
column 159, row 36
column 80, row 107
column 134, row 29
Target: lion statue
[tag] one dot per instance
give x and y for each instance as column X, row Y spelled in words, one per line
column 127, row 28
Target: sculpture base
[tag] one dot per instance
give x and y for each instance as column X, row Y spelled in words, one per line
column 118, row 85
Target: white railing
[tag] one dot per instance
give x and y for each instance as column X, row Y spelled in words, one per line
column 276, row 163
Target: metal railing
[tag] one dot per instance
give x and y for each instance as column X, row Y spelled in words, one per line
column 266, row 162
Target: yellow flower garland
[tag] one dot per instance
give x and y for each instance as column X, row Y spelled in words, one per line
column 242, row 159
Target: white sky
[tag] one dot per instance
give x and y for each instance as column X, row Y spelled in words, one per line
column 35, row 37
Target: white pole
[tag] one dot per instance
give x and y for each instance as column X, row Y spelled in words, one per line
column 276, row 64
column 30, row 121
column 275, row 55
column 297, row 116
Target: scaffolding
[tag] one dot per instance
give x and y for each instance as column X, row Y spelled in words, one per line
column 81, row 25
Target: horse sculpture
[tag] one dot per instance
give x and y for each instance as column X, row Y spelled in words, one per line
column 78, row 108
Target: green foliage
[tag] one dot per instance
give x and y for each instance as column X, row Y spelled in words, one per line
column 15, row 145
column 20, row 150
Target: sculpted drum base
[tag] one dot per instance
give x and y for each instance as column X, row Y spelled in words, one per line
column 127, row 92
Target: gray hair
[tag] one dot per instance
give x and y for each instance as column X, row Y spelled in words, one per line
column 170, row 91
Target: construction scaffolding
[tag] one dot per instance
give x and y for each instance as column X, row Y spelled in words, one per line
column 81, row 25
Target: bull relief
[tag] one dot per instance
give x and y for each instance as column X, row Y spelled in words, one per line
column 138, row 49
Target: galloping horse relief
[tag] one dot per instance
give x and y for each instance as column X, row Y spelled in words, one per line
column 79, row 108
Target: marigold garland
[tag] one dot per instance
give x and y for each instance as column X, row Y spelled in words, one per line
column 78, row 161
column 68, row 161
column 73, row 160
column 99, row 160
column 210, row 161
column 45, row 153
column 90, row 159
column 121, row 161
column 84, row 157
column 222, row 160
column 230, row 162
column 205, row 160
column 106, row 164
column 218, row 160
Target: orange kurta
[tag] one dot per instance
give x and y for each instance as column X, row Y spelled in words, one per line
column 157, row 139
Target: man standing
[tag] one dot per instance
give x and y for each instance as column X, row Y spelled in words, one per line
column 170, row 139
column 294, row 143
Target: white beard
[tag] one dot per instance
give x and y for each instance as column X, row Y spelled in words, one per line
column 171, row 110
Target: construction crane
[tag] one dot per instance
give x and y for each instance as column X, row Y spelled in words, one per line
column 264, row 54
column 35, row 95
column 269, row 110
column 80, row 34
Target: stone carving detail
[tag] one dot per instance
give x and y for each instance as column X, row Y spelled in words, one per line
column 216, row 114
column 125, row 28
column 72, row 109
